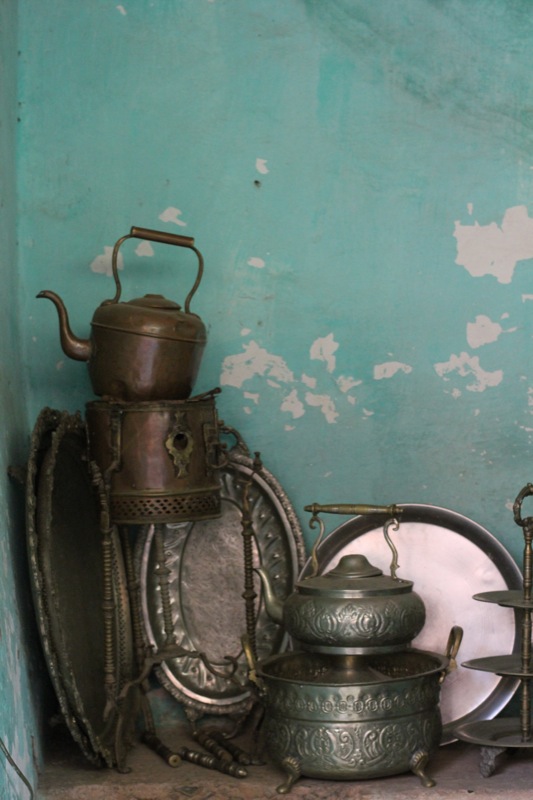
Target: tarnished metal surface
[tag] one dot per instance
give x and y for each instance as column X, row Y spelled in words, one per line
column 160, row 459
column 351, row 718
column 448, row 557
column 76, row 565
column 206, row 583
column 353, row 608
column 496, row 736
column 145, row 349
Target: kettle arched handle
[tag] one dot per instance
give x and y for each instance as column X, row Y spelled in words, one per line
column 162, row 238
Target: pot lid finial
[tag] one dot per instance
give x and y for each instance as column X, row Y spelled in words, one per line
column 354, row 566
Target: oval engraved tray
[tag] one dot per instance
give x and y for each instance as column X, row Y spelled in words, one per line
column 206, row 581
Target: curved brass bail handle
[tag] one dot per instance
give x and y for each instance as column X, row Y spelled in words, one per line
column 353, row 509
column 349, row 509
column 313, row 522
column 162, row 238
column 517, row 506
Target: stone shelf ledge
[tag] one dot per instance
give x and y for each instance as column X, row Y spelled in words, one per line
column 455, row 767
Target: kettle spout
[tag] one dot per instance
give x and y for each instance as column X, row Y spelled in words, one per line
column 73, row 347
column 273, row 605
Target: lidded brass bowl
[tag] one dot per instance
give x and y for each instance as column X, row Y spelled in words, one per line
column 352, row 609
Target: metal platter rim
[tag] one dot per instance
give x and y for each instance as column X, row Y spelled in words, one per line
column 42, row 480
column 501, row 732
column 355, row 527
column 47, row 423
column 267, row 484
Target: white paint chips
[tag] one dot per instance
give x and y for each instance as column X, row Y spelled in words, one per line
column 495, row 250
column 261, row 166
column 253, row 396
column 345, row 383
column 469, row 366
column 325, row 403
column 308, row 381
column 102, row 263
column 256, row 262
column 482, row 331
column 323, row 350
column 389, row 368
column 122, row 10
column 293, row 405
column 144, row 248
column 254, row 361
column 172, row 214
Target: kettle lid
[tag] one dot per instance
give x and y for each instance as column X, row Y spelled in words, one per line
column 152, row 315
column 154, row 301
column 354, row 576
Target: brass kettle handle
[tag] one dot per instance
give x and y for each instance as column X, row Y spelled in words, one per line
column 350, row 509
column 163, row 238
column 452, row 648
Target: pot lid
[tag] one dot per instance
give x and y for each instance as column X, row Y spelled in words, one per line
column 354, row 576
column 154, row 301
column 152, row 315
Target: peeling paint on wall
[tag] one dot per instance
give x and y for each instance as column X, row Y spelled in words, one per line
column 261, row 166
column 484, row 331
column 389, row 368
column 493, row 249
column 324, row 403
column 323, row 349
column 172, row 214
column 253, row 396
column 144, row 248
column 345, row 383
column 293, row 405
column 307, row 380
column 254, row 361
column 259, row 263
column 468, row 366
column 102, row 263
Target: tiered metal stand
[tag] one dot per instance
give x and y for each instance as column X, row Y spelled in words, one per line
column 499, row 735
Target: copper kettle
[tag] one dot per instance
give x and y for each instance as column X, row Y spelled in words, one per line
column 144, row 349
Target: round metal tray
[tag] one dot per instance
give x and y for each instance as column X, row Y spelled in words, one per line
column 64, row 515
column 449, row 558
column 206, row 581
column 503, row 732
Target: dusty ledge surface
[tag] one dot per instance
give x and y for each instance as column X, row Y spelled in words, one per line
column 455, row 767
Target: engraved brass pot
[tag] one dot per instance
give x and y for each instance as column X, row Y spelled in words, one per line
column 352, row 609
column 144, row 349
column 351, row 717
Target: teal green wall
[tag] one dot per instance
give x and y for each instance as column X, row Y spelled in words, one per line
column 359, row 178
column 21, row 668
column 341, row 145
